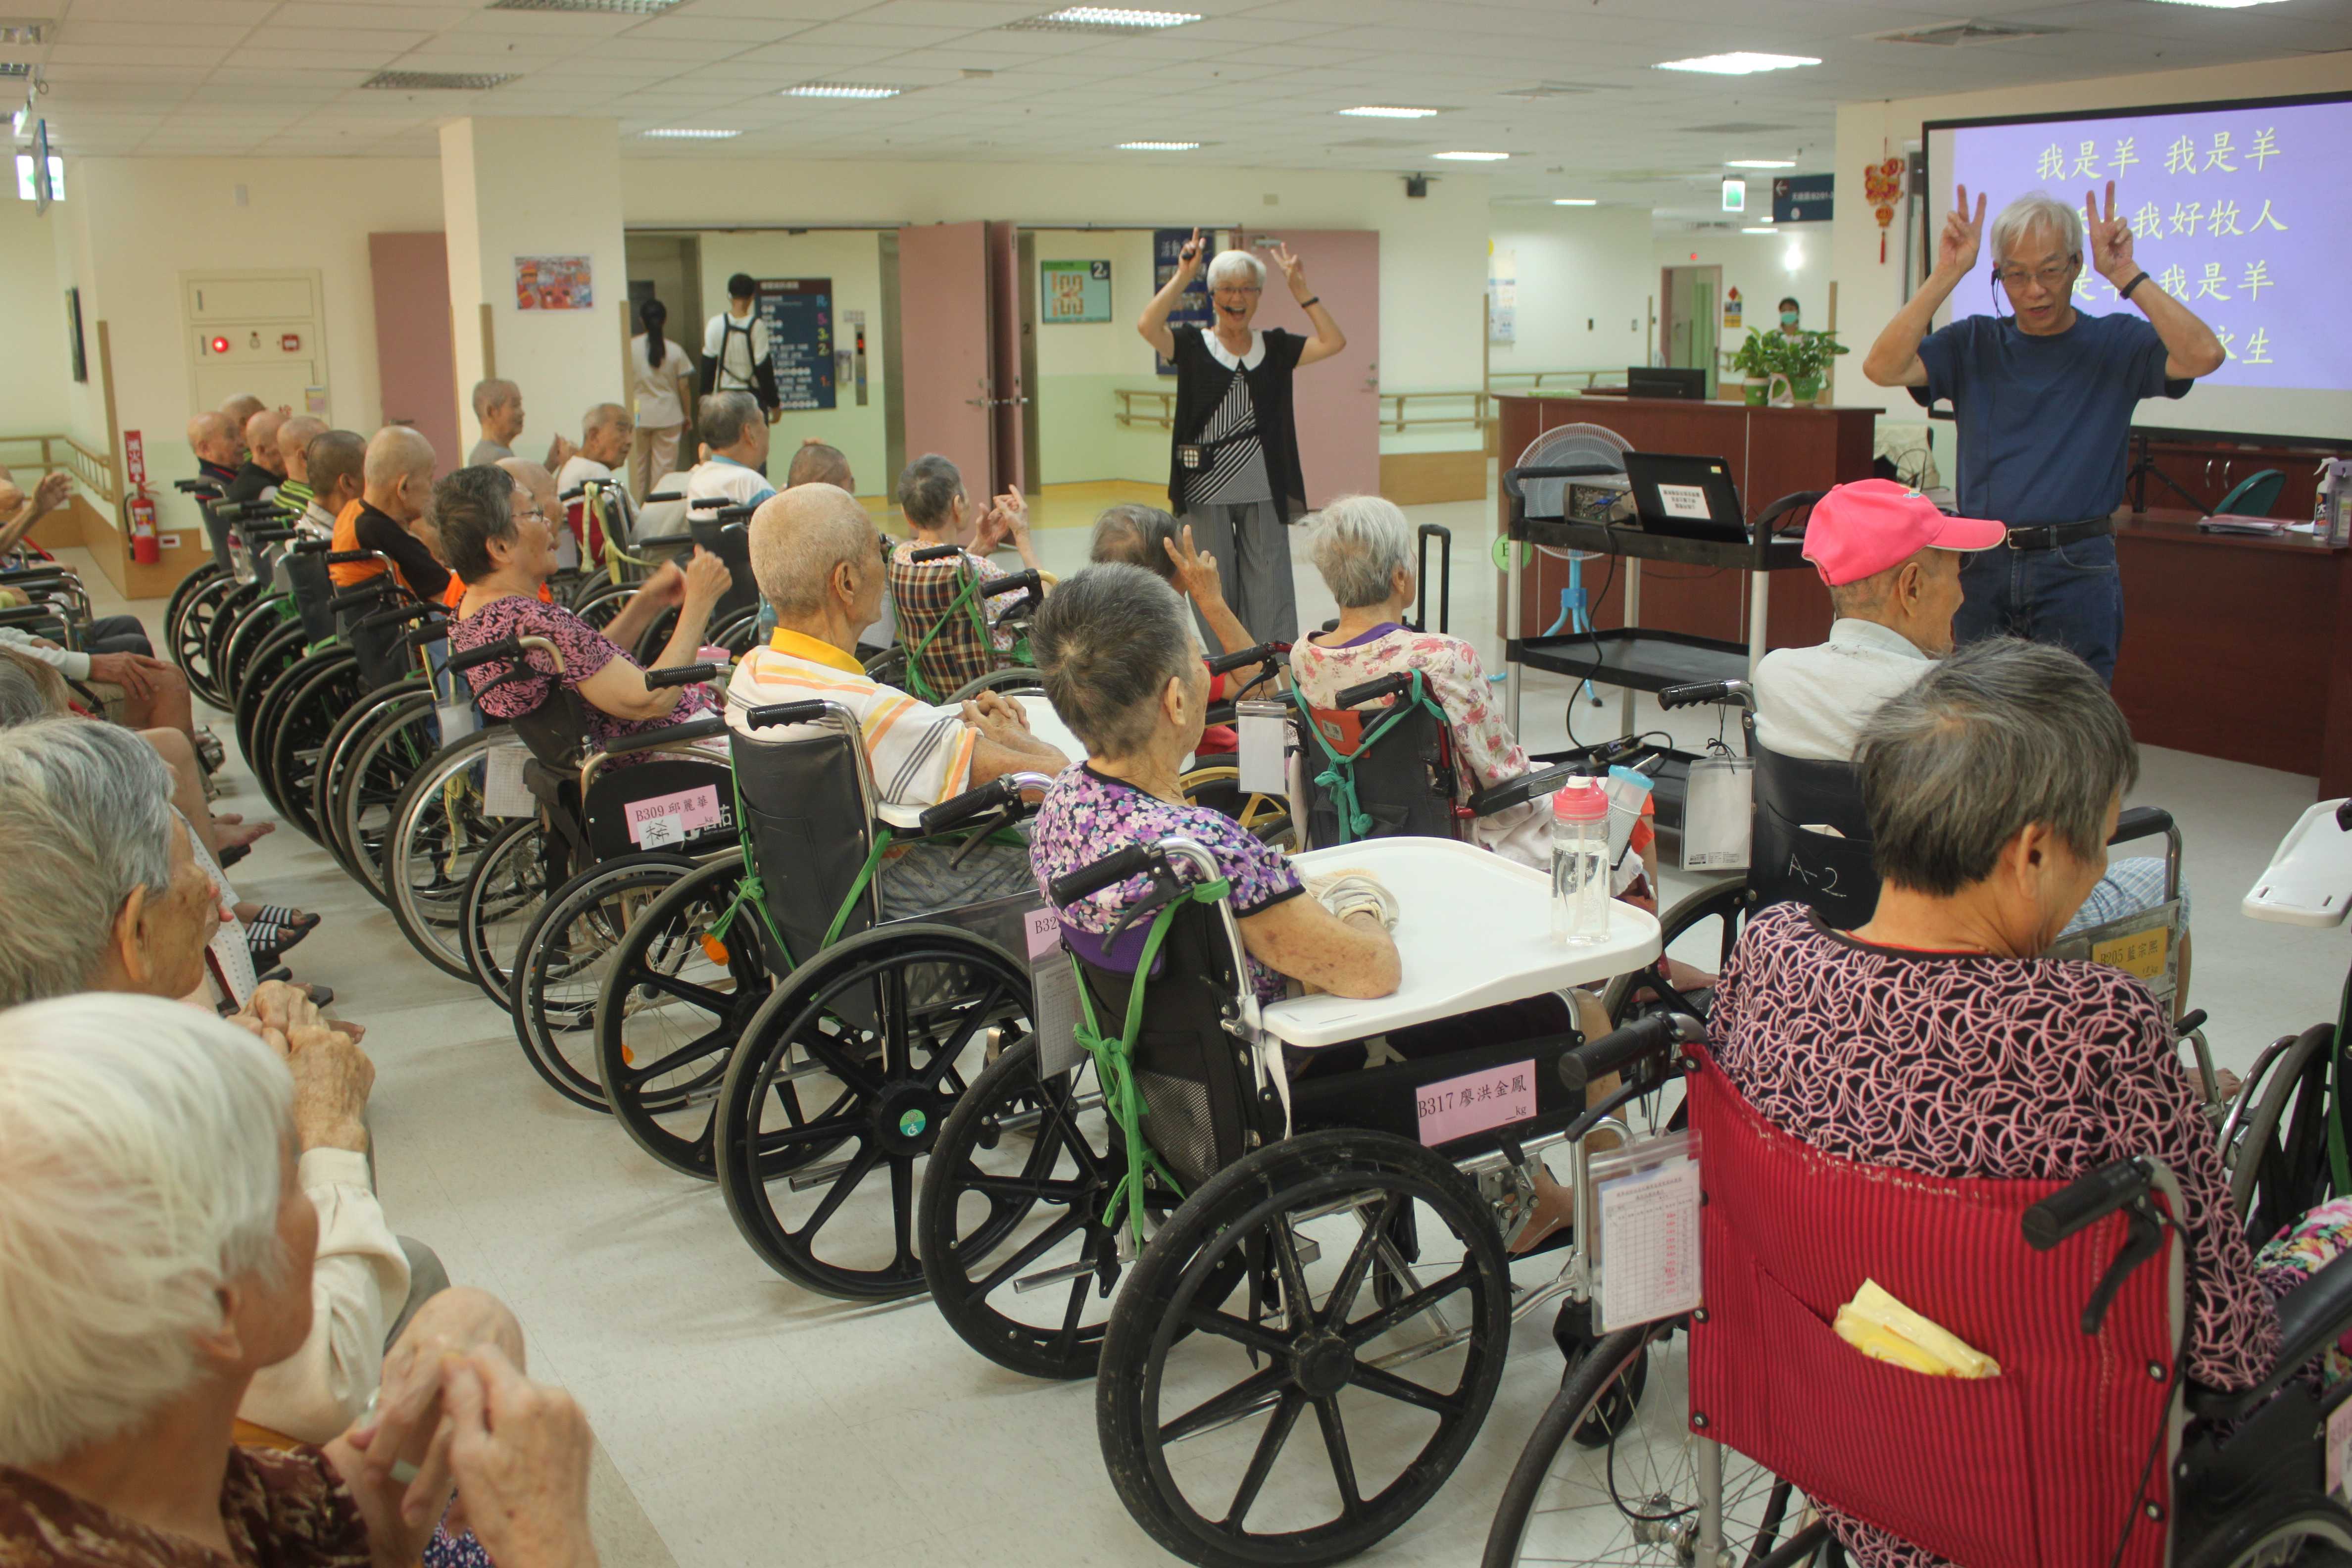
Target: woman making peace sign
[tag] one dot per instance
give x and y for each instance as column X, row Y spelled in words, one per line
column 1233, row 473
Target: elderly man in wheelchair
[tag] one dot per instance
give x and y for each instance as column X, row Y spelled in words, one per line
column 1897, row 1110
column 1250, row 1126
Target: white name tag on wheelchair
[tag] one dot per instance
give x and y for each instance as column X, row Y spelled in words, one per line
column 504, row 793
column 1055, row 1014
column 1646, row 1255
column 1264, row 731
column 1716, row 805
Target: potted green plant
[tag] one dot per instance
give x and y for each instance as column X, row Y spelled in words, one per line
column 1759, row 361
column 1807, row 357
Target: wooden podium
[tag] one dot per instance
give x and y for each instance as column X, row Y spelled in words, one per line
column 1772, row 452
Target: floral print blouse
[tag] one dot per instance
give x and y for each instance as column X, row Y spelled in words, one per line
column 1087, row 816
column 585, row 651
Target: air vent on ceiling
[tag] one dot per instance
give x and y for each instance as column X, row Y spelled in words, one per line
column 24, row 35
column 438, row 81
column 15, row 68
column 1960, row 33
column 622, row 7
column 1733, row 128
column 1104, row 21
column 1536, row 89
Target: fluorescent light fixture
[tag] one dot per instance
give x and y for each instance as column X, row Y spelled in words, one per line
column 689, row 133
column 2220, row 4
column 1760, row 164
column 436, row 81
column 1740, row 62
column 1103, row 19
column 1387, row 111
column 25, row 177
column 1159, row 146
column 842, row 90
column 1766, row 229
column 1471, row 157
column 1576, row 201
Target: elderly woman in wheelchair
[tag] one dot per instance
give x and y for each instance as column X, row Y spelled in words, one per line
column 1248, row 1129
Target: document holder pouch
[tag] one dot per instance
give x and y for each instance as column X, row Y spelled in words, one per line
column 1715, row 811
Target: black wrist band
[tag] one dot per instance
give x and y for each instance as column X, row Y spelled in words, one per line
column 1311, row 299
column 2127, row 291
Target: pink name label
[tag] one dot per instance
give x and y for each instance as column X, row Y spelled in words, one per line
column 667, row 818
column 1043, row 929
column 1457, row 1107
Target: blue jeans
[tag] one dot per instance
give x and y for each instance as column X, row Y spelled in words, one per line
column 2072, row 596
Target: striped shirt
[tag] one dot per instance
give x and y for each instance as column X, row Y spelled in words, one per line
column 293, row 499
column 1237, row 455
column 920, row 755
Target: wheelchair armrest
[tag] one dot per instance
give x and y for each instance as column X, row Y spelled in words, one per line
column 2312, row 1317
column 1527, row 786
column 1112, row 868
column 956, row 810
column 2141, row 822
column 935, row 552
column 682, row 675
column 700, row 728
column 1373, row 691
column 1615, row 1052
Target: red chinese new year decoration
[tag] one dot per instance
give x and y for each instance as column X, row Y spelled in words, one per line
column 1882, row 187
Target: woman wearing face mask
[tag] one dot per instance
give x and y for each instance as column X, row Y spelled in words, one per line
column 1233, row 474
column 1788, row 328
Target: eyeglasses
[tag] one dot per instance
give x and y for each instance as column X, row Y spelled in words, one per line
column 529, row 514
column 2048, row 277
column 1236, row 289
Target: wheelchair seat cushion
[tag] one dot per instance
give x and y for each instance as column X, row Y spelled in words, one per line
column 585, row 651
column 1087, row 816
column 1973, row 1066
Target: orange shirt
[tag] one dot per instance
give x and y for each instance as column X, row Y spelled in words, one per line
column 350, row 574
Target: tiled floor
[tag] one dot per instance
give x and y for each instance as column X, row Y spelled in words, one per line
column 748, row 1422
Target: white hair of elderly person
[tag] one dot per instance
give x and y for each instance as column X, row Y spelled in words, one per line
column 155, row 1254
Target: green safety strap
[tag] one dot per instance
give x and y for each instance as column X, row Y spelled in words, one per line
column 1339, row 774
column 966, row 600
column 1114, row 1058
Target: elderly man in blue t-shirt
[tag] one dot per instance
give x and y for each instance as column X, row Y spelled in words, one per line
column 2044, row 401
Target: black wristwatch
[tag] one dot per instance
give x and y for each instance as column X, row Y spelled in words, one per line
column 1310, row 301
column 2126, row 292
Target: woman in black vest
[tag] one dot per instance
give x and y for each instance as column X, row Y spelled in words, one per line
column 1233, row 474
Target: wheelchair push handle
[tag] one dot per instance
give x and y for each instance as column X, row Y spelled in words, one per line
column 394, row 617
column 2141, row 822
column 1691, row 694
column 245, row 510
column 995, row 795
column 1373, row 691
column 683, row 675
column 197, row 487
column 808, row 712
column 931, row 552
column 312, row 547
column 739, row 512
column 504, row 647
column 426, row 635
column 665, row 540
column 708, row 503
column 360, row 597
column 1226, row 663
column 1621, row 1048
column 1028, row 581
column 1134, row 860
column 2086, row 1201
column 351, row 557
column 663, row 498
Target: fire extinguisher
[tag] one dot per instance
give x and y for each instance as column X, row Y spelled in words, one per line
column 144, row 547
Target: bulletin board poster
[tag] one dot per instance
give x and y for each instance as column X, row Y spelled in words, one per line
column 1193, row 306
column 553, row 283
column 1502, row 296
column 799, row 313
column 1073, row 293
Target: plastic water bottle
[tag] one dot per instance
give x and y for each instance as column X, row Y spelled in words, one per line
column 1579, row 862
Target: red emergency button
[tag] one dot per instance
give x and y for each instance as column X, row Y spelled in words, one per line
column 290, row 342
column 220, row 346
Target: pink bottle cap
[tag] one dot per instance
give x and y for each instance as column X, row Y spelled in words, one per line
column 1581, row 800
column 713, row 654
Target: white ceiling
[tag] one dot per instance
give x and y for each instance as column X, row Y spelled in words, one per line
column 1259, row 80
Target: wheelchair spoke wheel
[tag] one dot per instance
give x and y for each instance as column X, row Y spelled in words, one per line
column 438, row 836
column 1612, row 1474
column 191, row 635
column 503, row 897
column 1300, row 1420
column 2274, row 1147
column 2279, row 1531
column 373, row 773
column 842, row 1083
column 1014, row 1248
column 297, row 736
column 1698, row 934
column 276, row 647
column 673, row 1002
column 562, row 962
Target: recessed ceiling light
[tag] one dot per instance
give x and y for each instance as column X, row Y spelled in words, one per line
column 1159, row 146
column 1387, row 111
column 2220, row 4
column 1766, row 229
column 1102, row 20
column 436, row 81
column 1575, row 201
column 1760, row 164
column 1737, row 63
column 842, row 90
column 689, row 133
column 1471, row 157
column 622, row 7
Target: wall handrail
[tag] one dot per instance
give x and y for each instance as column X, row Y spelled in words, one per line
column 1396, row 413
column 94, row 471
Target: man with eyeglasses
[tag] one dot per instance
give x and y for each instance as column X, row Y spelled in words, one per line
column 2044, row 399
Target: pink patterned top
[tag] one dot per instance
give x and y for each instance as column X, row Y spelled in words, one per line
column 1961, row 1065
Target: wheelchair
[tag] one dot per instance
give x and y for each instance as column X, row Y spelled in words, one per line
column 944, row 634
column 1703, row 1436
column 1226, row 1237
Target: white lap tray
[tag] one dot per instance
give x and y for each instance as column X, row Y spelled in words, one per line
column 1474, row 931
column 2309, row 881
column 1044, row 723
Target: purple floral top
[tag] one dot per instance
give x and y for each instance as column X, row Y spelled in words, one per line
column 585, row 651
column 1087, row 816
column 1960, row 1065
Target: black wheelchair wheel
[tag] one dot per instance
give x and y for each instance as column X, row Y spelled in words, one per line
column 267, row 707
column 376, row 771
column 239, row 602
column 1010, row 1230
column 1700, row 931
column 256, row 626
column 188, row 626
column 862, row 1051
column 176, row 607
column 1218, row 786
column 675, row 1000
column 1307, row 1221
column 298, row 740
column 562, row 959
column 655, row 637
column 502, row 898
column 1611, row 1472
column 888, row 666
column 1020, row 678
column 738, row 635
column 270, row 652
column 2290, row 1529
column 2274, row 1147
column 439, row 830
column 598, row 607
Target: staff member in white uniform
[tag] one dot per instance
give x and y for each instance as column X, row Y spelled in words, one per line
column 661, row 384
column 735, row 349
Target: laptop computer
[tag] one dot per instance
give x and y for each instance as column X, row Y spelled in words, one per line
column 1687, row 497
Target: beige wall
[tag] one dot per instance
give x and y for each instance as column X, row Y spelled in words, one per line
column 1079, row 368
column 1870, row 292
column 1586, row 277
column 33, row 325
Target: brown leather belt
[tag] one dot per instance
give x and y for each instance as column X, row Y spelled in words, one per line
column 2052, row 535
